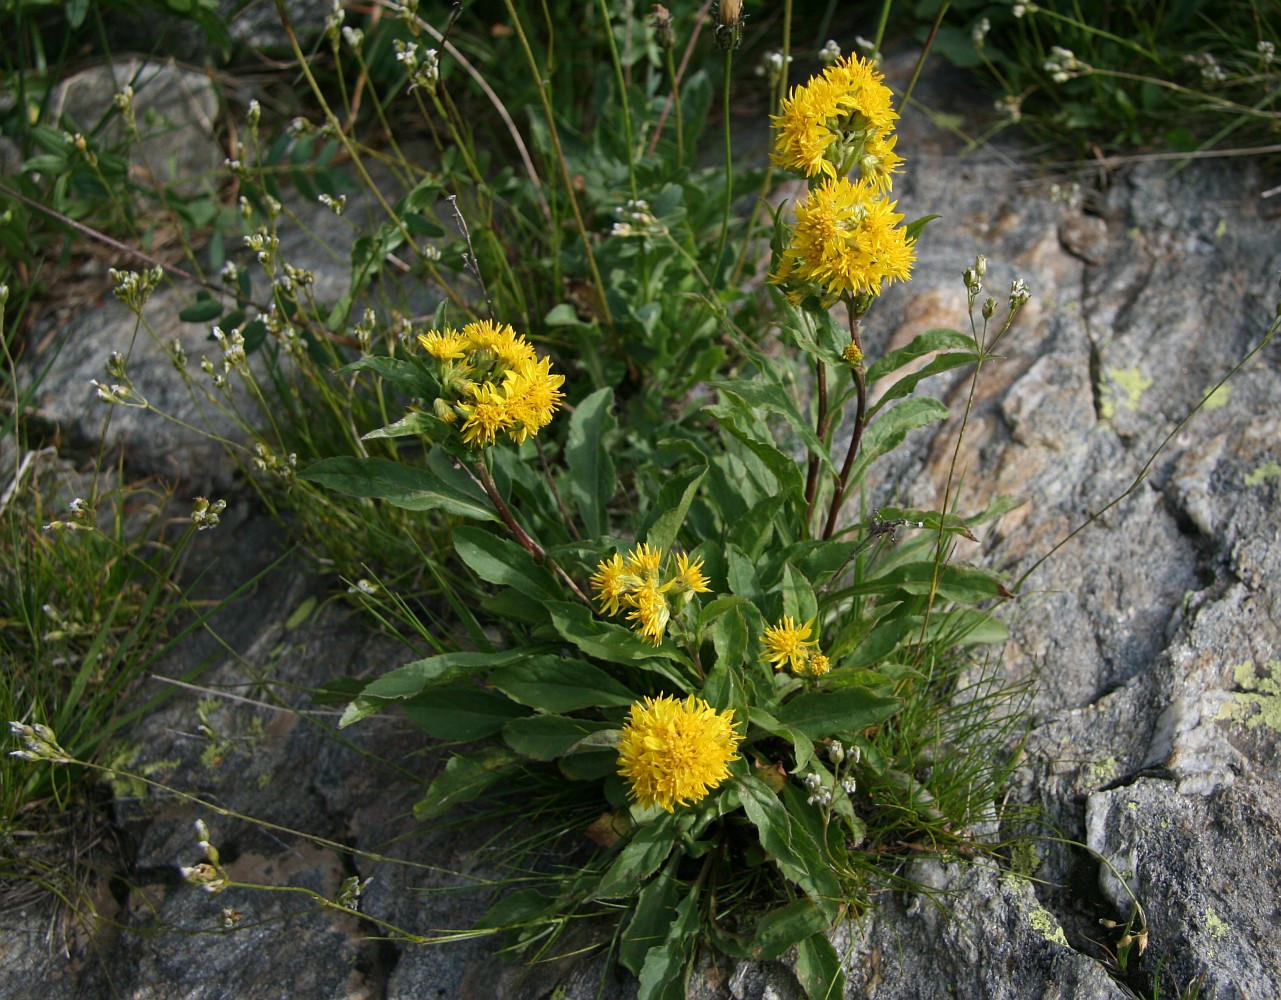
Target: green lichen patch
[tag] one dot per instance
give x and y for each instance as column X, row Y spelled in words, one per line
column 1218, row 398
column 1125, row 387
column 1043, row 922
column 1268, row 470
column 1258, row 702
column 1217, row 927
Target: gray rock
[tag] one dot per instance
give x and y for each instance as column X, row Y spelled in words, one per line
column 176, row 109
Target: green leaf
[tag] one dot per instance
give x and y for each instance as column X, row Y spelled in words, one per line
column 754, row 529
column 798, row 596
column 924, row 343
column 414, row 423
column 421, row 197
column 818, row 968
column 790, row 846
column 741, row 574
column 559, row 685
column 637, row 861
column 413, row 378
column 955, row 582
column 672, row 505
column 815, row 333
column 563, row 314
column 465, row 777
column 401, row 485
column 819, row 714
column 757, row 440
column 461, row 714
column 802, row 745
column 914, row 228
column 729, row 637
column 771, row 397
column 613, row 643
column 546, row 737
column 906, row 384
column 651, row 919
column 663, row 977
column 412, row 678
column 890, row 429
column 499, row 561
column 779, row 929
column 591, row 470
column 203, row 310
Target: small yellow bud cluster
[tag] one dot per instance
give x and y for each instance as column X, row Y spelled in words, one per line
column 636, row 585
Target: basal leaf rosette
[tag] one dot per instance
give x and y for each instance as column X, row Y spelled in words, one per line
column 840, row 123
column 673, row 752
column 493, row 383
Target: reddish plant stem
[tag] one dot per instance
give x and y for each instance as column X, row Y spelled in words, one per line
column 528, row 544
column 824, row 421
column 856, row 438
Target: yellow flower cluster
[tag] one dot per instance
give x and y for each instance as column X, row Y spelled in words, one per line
column 789, row 645
column 494, row 382
column 846, row 241
column 674, row 752
column 839, row 123
column 838, row 130
column 636, row 584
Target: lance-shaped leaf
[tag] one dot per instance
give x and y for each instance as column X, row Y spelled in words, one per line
column 402, row 485
column 819, row 714
column 591, row 470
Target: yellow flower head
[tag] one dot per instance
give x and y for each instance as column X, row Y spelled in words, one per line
column 533, row 395
column 488, row 415
column 650, row 612
column 499, row 384
column 819, row 665
column 501, row 341
column 689, row 576
column 846, row 241
column 788, row 645
column 674, row 752
column 839, row 123
column 644, row 561
column 611, row 582
column 443, row 345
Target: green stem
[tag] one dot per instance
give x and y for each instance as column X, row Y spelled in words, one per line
column 621, row 82
column 676, row 108
column 554, row 135
column 729, row 166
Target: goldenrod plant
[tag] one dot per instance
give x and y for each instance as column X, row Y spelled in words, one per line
column 680, row 632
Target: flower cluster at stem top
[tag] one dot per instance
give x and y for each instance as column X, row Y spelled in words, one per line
column 636, row 584
column 493, row 382
column 838, row 131
column 673, row 752
column 788, row 645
